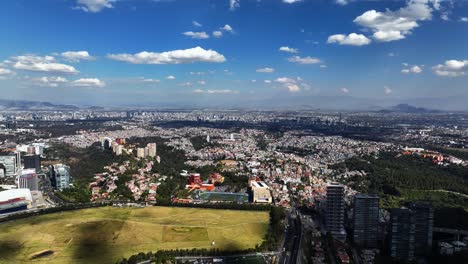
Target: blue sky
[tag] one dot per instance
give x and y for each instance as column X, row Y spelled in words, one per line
column 124, row 52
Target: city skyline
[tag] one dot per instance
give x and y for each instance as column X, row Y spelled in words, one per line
column 235, row 52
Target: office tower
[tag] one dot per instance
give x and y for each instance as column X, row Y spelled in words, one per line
column 424, row 220
column 402, row 229
column 334, row 217
column 366, row 220
column 32, row 162
column 28, row 180
column 60, row 176
column 10, row 164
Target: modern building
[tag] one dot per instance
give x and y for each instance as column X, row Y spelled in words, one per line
column 366, row 220
column 335, row 211
column 28, row 180
column 402, row 234
column 15, row 200
column 60, row 176
column 34, row 148
column 118, row 150
column 140, row 152
column 2, row 171
column 151, row 149
column 32, row 161
column 424, row 220
column 261, row 192
column 12, row 163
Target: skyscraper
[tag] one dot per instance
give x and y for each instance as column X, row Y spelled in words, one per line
column 11, row 164
column 60, row 176
column 424, row 221
column 402, row 230
column 366, row 220
column 32, row 162
column 334, row 216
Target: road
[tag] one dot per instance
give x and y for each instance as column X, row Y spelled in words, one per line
column 295, row 256
column 292, row 238
column 233, row 257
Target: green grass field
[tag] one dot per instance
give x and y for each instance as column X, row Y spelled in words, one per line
column 105, row 235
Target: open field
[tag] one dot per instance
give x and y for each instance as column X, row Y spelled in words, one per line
column 107, row 234
column 226, row 197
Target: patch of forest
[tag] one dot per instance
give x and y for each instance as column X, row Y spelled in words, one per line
column 390, row 172
column 199, row 142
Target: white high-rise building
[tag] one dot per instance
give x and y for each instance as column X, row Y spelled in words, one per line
column 140, row 152
column 61, row 177
column 151, row 149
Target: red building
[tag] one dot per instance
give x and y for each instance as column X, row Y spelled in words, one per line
column 195, row 178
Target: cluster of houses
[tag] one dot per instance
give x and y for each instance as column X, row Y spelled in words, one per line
column 143, row 184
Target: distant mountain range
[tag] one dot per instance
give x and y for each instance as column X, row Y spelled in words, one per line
column 331, row 103
column 33, row 105
column 406, row 108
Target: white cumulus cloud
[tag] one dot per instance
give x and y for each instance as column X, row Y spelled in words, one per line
column 221, row 91
column 291, row 1
column 217, row 34
column 41, row 64
column 94, row 6
column 304, row 60
column 4, row 71
column 288, row 49
column 233, row 4
column 170, row 77
column 351, row 39
column 50, row 81
column 292, row 85
column 196, row 35
column 76, row 56
column 88, row 82
column 411, row 69
column 266, row 70
column 147, row 80
column 395, row 25
column 451, row 68
column 227, row 28
column 196, row 54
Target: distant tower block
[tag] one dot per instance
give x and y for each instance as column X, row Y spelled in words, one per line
column 151, row 149
column 334, row 218
column 140, row 152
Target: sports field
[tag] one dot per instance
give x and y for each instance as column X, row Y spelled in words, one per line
column 107, row 234
column 224, row 197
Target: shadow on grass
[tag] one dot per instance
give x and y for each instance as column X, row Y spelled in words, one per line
column 94, row 241
column 9, row 249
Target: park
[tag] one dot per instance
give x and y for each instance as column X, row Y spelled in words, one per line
column 108, row 234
